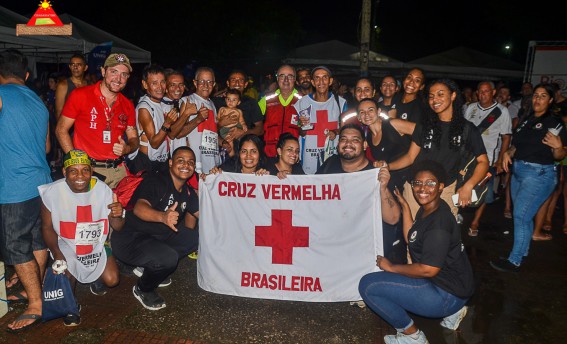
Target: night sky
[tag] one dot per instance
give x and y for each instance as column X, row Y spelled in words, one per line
column 254, row 34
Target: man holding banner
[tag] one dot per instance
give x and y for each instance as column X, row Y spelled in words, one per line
column 351, row 158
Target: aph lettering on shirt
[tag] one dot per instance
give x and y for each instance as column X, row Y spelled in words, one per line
column 94, row 115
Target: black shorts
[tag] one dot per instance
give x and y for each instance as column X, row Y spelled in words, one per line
column 20, row 231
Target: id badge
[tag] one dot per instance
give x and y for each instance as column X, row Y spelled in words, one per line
column 89, row 233
column 106, row 136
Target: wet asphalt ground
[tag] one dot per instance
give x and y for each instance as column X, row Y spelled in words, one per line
column 527, row 307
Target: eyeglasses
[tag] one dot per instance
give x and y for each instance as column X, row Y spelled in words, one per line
column 202, row 82
column 237, row 80
column 286, row 77
column 418, row 183
column 76, row 64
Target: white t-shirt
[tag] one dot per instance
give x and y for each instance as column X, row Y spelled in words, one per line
column 492, row 135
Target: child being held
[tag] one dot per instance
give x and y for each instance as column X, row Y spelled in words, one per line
column 231, row 113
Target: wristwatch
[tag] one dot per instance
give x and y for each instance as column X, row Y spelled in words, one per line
column 166, row 129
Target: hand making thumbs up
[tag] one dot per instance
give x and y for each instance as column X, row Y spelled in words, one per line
column 170, row 217
column 115, row 207
column 120, row 147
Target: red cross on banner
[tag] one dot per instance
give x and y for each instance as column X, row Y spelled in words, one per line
column 323, row 124
column 68, row 229
column 282, row 236
column 208, row 124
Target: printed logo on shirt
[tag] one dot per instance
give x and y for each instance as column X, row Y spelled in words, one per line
column 538, row 126
column 413, row 236
column 404, row 116
column 94, row 115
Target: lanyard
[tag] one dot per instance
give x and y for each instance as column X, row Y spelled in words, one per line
column 107, row 112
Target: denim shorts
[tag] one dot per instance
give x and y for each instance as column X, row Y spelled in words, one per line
column 20, row 231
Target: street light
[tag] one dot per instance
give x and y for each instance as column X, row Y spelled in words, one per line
column 508, row 49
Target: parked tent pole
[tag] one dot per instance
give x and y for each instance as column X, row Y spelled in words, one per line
column 364, row 37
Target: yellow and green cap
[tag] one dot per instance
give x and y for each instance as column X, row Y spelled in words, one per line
column 76, row 157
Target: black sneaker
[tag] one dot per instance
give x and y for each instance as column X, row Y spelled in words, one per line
column 72, row 319
column 150, row 299
column 139, row 271
column 504, row 265
column 98, row 288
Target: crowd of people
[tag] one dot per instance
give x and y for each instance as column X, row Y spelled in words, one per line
column 415, row 131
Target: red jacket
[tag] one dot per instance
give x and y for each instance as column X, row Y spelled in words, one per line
column 279, row 119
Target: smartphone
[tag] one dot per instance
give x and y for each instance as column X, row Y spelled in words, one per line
column 455, row 197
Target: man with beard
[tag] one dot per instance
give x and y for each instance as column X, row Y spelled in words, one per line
column 160, row 230
column 100, row 115
column 351, row 158
column 238, row 80
column 303, row 81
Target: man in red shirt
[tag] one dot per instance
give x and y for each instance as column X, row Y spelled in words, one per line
column 101, row 115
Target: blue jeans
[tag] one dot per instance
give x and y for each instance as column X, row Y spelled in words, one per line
column 392, row 295
column 531, row 185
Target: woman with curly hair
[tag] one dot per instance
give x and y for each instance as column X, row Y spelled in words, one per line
column 440, row 137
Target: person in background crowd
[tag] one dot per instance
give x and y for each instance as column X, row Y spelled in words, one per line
column 389, row 96
column 303, row 81
column 411, row 106
column 496, row 138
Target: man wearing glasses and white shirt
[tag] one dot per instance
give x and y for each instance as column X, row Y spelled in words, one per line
column 203, row 138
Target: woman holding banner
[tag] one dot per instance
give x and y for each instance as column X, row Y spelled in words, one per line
column 439, row 281
column 250, row 158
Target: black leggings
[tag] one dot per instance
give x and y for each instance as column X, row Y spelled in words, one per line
column 158, row 256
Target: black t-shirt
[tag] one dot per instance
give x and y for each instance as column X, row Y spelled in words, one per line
column 249, row 106
column 333, row 165
column 396, row 99
column 528, row 138
column 412, row 111
column 450, row 158
column 271, row 166
column 391, row 147
column 158, row 189
column 436, row 241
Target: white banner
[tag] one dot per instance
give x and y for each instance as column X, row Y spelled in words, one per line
column 306, row 238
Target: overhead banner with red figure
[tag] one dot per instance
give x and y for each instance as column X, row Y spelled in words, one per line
column 304, row 238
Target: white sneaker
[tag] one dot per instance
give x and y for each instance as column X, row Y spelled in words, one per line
column 400, row 338
column 452, row 321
